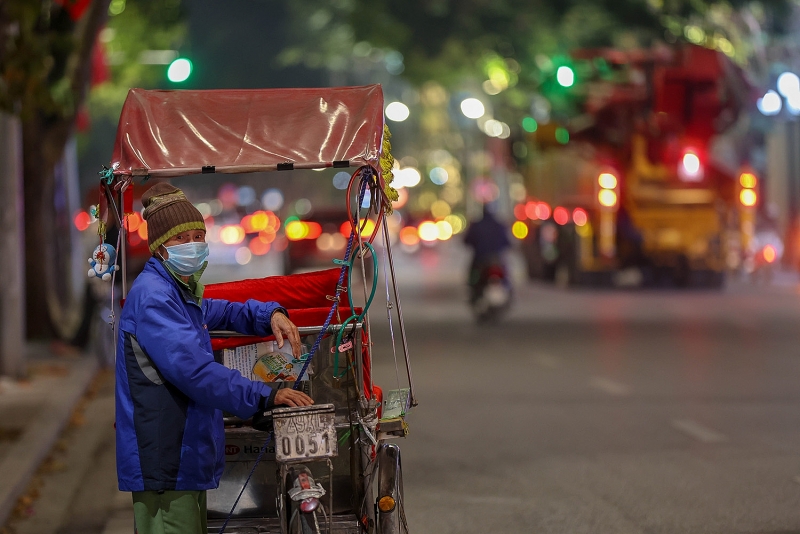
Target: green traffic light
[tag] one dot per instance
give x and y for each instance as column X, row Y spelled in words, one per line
column 179, row 70
column 565, row 76
column 529, row 124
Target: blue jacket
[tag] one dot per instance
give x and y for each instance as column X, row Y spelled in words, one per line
column 169, row 389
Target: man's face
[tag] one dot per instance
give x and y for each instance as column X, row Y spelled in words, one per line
column 190, row 236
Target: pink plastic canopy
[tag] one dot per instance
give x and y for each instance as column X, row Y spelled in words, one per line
column 175, row 133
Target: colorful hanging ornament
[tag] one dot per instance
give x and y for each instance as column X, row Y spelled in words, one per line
column 103, row 262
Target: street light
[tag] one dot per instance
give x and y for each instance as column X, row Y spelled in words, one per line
column 472, row 108
column 397, row 112
column 788, row 85
column 770, row 104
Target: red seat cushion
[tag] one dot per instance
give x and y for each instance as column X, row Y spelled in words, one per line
column 304, row 295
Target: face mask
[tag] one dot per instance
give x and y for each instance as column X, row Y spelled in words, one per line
column 188, row 258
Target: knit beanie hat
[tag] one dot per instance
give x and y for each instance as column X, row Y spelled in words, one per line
column 168, row 212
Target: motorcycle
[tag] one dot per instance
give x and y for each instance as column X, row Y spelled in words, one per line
column 490, row 291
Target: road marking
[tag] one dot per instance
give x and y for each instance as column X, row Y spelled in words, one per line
column 547, row 361
column 609, row 386
column 698, row 431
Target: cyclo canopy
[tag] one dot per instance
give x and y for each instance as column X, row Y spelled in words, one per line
column 176, row 133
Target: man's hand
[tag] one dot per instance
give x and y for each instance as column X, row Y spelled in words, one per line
column 291, row 397
column 282, row 327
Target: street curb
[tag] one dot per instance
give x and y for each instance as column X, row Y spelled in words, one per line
column 39, row 437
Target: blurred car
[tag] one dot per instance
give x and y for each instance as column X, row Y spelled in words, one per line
column 317, row 239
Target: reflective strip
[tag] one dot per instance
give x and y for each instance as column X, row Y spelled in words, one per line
column 146, row 364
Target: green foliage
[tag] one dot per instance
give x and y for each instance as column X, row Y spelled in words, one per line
column 136, row 27
column 449, row 41
column 35, row 45
column 38, row 41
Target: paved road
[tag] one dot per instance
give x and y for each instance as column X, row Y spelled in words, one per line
column 605, row 412
column 583, row 412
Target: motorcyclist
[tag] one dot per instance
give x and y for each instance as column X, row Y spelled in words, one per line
column 488, row 239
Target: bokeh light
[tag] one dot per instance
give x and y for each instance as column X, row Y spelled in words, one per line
column 243, row 255
column 607, row 180
column 397, row 112
column 438, row 175
column 543, row 211
column 231, row 234
column 82, row 220
column 179, row 70
column 457, row 222
column 246, row 195
column 428, row 231
column 409, row 236
column 561, row 215
column 133, row 221
column 472, row 108
column 580, row 217
column 302, row 206
column 402, row 198
column 565, row 76
column 607, row 198
column 259, row 246
column 272, row 199
column 445, row 231
column 440, row 209
column 748, row 197
column 520, row 230
column 341, row 180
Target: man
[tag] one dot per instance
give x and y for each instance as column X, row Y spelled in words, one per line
column 488, row 239
column 169, row 390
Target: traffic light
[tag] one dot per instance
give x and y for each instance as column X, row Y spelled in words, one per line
column 565, row 76
column 608, row 191
column 748, row 197
column 179, row 70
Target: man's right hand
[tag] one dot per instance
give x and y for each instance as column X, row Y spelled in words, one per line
column 291, row 397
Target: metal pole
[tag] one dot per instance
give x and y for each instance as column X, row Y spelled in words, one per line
column 792, row 191
column 399, row 315
column 12, row 248
column 120, row 218
column 123, row 245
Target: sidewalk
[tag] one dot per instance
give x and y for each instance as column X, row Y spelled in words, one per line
column 34, row 412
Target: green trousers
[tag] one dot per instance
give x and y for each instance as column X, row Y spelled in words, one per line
column 170, row 512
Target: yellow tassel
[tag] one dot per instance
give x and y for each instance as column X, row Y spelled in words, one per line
column 387, row 164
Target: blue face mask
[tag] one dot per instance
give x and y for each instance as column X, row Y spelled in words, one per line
column 187, row 258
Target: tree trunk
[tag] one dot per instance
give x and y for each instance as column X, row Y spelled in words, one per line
column 44, row 138
column 12, row 273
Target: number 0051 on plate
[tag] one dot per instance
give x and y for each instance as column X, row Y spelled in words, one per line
column 304, row 433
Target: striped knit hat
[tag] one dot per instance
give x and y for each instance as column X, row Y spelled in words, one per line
column 168, row 212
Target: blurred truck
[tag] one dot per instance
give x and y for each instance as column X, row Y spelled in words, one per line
column 653, row 182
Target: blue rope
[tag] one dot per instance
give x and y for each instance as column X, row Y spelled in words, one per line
column 246, row 482
column 107, row 174
column 314, row 349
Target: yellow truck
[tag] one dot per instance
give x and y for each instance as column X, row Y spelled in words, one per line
column 641, row 194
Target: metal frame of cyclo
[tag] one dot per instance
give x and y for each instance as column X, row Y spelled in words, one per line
column 365, row 177
column 115, row 188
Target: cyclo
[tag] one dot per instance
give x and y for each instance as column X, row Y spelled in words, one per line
column 329, row 467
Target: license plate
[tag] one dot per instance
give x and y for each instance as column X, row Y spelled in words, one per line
column 304, row 433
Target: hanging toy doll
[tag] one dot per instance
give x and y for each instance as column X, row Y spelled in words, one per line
column 103, row 262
